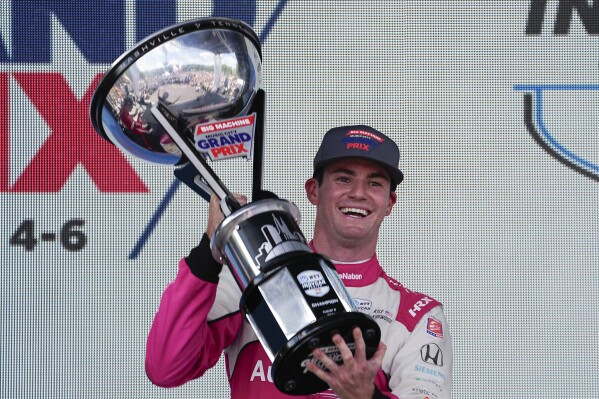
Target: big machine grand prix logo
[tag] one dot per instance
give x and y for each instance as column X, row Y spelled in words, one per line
column 52, row 56
column 571, row 141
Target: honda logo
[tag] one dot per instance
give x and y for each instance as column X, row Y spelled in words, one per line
column 431, row 353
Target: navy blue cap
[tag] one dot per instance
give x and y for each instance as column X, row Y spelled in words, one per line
column 360, row 141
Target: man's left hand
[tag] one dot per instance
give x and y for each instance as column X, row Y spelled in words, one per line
column 354, row 379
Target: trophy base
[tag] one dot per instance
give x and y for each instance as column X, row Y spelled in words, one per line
column 289, row 371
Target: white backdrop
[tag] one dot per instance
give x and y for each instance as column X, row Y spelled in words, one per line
column 497, row 217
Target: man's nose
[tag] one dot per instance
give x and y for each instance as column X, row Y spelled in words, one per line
column 358, row 190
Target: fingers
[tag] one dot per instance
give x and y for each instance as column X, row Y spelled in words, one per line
column 359, row 353
column 215, row 214
column 349, row 357
column 377, row 358
column 360, row 345
column 325, row 361
column 344, row 351
column 354, row 376
column 242, row 199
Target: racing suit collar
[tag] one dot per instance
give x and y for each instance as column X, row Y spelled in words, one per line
column 357, row 274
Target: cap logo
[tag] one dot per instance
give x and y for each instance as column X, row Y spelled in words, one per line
column 361, row 140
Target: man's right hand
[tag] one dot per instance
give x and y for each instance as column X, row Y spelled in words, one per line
column 215, row 216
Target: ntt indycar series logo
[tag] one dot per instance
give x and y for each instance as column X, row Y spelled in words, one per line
column 226, row 139
column 313, row 283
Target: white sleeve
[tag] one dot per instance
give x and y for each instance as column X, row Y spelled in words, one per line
column 423, row 366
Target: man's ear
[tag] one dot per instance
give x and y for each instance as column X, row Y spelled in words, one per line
column 392, row 201
column 311, row 187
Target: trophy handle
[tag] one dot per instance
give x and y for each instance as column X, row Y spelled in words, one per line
column 228, row 203
column 189, row 175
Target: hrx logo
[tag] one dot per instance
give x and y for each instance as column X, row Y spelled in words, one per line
column 418, row 306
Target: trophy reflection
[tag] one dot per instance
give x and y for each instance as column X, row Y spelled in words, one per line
column 189, row 95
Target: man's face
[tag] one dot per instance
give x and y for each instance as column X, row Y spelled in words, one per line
column 352, row 201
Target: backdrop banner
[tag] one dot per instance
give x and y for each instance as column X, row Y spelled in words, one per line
column 493, row 105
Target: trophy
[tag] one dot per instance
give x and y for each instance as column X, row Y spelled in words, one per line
column 189, row 96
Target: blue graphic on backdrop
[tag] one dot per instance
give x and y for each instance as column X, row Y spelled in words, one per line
column 98, row 28
column 578, row 158
column 534, row 110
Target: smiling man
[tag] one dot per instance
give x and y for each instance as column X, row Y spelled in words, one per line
column 353, row 188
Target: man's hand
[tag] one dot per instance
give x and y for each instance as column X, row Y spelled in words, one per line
column 354, row 379
column 215, row 216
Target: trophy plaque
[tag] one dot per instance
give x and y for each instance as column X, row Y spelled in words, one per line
column 190, row 95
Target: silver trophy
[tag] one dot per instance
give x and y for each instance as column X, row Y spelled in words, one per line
column 189, row 95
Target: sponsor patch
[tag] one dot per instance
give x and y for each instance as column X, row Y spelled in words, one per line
column 362, row 305
column 383, row 314
column 431, row 353
column 361, row 140
column 434, row 327
column 226, row 139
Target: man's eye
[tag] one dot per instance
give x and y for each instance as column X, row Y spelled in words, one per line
column 343, row 179
column 376, row 184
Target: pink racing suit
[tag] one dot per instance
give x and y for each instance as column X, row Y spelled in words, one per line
column 199, row 318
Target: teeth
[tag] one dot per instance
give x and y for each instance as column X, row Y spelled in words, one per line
column 358, row 211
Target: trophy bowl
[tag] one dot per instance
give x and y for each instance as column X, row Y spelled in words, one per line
column 201, row 71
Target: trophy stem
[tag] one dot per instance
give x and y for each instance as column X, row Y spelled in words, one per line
column 258, row 164
column 258, row 105
column 228, row 203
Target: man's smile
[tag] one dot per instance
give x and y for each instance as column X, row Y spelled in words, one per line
column 354, row 212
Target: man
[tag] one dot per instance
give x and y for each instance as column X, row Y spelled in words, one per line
column 353, row 188
column 133, row 123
